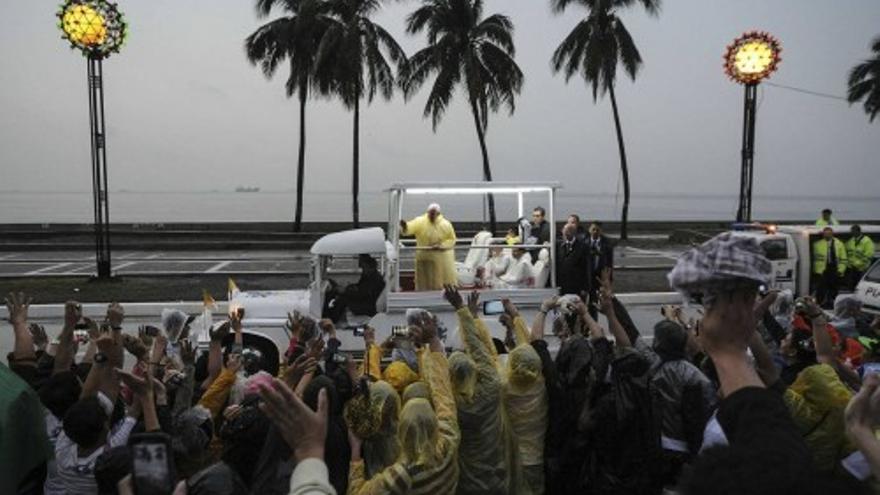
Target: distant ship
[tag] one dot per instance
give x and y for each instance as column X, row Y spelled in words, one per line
column 243, row 189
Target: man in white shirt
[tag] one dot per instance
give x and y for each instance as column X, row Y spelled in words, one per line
column 496, row 266
column 519, row 273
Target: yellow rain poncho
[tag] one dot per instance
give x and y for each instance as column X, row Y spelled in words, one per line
column 817, row 400
column 428, row 437
column 382, row 449
column 434, row 267
column 399, row 375
column 525, row 401
column 487, row 455
column 417, row 390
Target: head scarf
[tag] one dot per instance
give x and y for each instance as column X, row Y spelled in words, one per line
column 399, row 375
column 463, row 375
column 418, row 433
column 524, row 366
column 417, row 390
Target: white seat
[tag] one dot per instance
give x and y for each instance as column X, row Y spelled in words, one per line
column 476, row 257
column 541, row 269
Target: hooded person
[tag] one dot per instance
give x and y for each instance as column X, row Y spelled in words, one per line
column 428, row 437
column 525, row 402
column 435, row 258
column 417, row 390
column 381, row 449
column 487, row 454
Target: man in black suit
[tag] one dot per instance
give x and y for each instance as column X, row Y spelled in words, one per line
column 601, row 256
column 572, row 263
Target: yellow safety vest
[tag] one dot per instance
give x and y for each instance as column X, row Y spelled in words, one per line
column 820, row 256
column 860, row 252
column 822, row 223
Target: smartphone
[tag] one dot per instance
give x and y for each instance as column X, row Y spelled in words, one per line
column 359, row 331
column 152, row 468
column 339, row 358
column 399, row 331
column 491, row 308
column 869, row 368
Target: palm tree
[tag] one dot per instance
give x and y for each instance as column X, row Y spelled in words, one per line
column 293, row 37
column 864, row 82
column 465, row 48
column 594, row 48
column 351, row 65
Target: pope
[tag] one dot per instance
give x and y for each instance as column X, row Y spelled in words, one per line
column 435, row 257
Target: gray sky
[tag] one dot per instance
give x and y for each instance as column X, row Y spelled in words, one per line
column 186, row 111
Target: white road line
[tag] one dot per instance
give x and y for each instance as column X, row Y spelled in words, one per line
column 652, row 253
column 218, row 266
column 48, row 269
column 8, row 256
column 124, row 265
column 153, row 256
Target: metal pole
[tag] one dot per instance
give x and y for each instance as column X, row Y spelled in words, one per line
column 744, row 213
column 99, row 167
column 552, row 238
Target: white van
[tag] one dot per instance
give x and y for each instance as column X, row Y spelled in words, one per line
column 868, row 290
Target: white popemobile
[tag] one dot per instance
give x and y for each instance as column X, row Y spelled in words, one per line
column 266, row 311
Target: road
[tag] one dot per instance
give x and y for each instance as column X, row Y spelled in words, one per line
column 256, row 262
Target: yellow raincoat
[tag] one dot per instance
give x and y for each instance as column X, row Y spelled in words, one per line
column 428, row 438
column 434, row 268
column 817, row 400
column 525, row 401
column 488, row 454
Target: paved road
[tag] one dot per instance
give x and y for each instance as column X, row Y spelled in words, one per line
column 80, row 263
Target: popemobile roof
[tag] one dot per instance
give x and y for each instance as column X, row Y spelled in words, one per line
column 351, row 243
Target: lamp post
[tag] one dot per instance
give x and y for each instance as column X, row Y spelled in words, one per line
column 750, row 59
column 97, row 29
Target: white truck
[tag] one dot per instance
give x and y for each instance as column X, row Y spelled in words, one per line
column 790, row 250
column 335, row 254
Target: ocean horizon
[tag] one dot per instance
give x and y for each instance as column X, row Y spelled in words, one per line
column 322, row 206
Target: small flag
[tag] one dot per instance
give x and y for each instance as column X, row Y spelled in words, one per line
column 208, row 300
column 233, row 289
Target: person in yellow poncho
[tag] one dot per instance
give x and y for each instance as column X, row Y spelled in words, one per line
column 435, row 260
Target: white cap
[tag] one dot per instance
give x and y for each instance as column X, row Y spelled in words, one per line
column 434, row 206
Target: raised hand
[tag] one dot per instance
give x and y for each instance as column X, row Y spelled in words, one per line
column 17, row 306
column 728, row 325
column 326, row 325
column 473, row 302
column 143, row 388
column 549, row 304
column 369, row 336
column 304, row 430
column 451, row 294
column 72, row 313
column 316, row 348
column 235, row 318
column 38, row 334
column 134, row 346
column 302, row 365
column 296, row 325
column 220, row 332
column 509, row 308
column 115, row 315
column 233, row 362
column 863, row 411
column 187, row 353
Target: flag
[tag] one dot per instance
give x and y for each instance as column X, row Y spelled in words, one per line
column 233, row 289
column 208, row 300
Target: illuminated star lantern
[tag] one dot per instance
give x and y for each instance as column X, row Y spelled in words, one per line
column 95, row 27
column 752, row 57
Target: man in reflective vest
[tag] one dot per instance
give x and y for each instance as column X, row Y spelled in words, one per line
column 829, row 267
column 859, row 254
column 826, row 220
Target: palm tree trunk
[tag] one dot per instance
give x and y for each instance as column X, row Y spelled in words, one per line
column 487, row 171
column 623, row 167
column 301, row 165
column 355, row 170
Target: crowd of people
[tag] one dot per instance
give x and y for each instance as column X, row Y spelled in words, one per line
column 756, row 393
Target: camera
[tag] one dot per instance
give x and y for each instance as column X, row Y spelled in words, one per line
column 339, row 358
column 400, row 331
column 359, row 331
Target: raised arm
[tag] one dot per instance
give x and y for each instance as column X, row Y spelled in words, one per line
column 861, row 416
column 17, row 305
column 215, row 353
column 102, row 377
column 725, row 333
column 541, row 318
column 66, row 346
column 821, row 337
column 606, row 306
column 475, row 346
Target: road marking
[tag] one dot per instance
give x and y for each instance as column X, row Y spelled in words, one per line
column 219, row 266
column 652, row 253
column 153, row 256
column 48, row 268
column 8, row 256
column 124, row 265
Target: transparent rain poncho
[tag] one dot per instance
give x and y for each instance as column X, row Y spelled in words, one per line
column 382, row 449
column 487, row 453
column 525, row 402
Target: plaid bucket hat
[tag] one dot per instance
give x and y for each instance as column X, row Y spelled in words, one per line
column 724, row 263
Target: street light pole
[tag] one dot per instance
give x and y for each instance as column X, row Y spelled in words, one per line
column 750, row 59
column 101, row 199
column 744, row 214
column 97, row 29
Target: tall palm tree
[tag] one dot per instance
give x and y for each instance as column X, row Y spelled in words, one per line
column 864, row 82
column 294, row 37
column 351, row 65
column 594, row 48
column 465, row 48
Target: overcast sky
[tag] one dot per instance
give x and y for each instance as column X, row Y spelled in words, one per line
column 186, row 111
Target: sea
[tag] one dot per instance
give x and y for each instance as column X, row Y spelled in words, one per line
column 327, row 206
